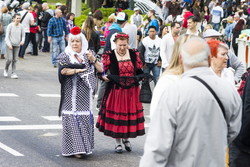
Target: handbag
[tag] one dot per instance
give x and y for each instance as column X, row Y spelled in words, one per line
column 145, row 93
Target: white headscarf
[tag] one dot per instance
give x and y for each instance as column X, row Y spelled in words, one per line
column 69, row 51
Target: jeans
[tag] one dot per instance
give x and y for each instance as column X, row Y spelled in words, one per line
column 2, row 44
column 155, row 70
column 11, row 58
column 46, row 45
column 216, row 26
column 58, row 46
column 28, row 37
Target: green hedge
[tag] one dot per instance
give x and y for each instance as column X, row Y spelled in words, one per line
column 85, row 11
column 106, row 12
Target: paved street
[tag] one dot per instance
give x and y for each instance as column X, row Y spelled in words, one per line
column 30, row 131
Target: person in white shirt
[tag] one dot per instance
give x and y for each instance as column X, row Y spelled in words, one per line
column 167, row 44
column 192, row 27
column 188, row 126
column 27, row 20
column 136, row 18
column 217, row 14
column 15, row 36
column 150, row 51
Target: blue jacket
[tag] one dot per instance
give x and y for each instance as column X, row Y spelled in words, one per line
column 114, row 28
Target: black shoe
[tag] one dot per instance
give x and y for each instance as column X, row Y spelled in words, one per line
column 127, row 145
column 118, row 149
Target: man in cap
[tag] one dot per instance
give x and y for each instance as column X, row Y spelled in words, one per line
column 27, row 20
column 136, row 18
column 233, row 60
column 58, row 5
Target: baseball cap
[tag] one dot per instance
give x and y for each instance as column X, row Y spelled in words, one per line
column 136, row 8
column 121, row 16
column 58, row 4
column 25, row 5
column 211, row 33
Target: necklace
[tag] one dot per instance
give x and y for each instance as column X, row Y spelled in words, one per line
column 121, row 55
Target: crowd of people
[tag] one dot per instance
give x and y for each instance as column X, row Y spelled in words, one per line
column 191, row 52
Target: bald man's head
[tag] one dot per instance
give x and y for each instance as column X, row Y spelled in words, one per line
column 45, row 6
column 58, row 13
column 195, row 53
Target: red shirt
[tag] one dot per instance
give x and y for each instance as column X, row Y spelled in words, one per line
column 186, row 15
column 34, row 29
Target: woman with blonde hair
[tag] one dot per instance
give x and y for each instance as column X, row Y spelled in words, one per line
column 111, row 20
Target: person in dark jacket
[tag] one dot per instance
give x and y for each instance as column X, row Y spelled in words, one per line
column 240, row 149
column 44, row 18
column 91, row 36
column 236, row 32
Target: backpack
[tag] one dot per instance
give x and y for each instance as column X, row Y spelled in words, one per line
column 243, row 82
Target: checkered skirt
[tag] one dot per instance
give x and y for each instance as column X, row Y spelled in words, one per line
column 78, row 134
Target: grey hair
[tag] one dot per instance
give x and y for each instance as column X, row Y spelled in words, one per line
column 57, row 10
column 46, row 5
column 195, row 53
column 26, row 5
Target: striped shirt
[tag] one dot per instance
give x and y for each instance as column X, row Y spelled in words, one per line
column 56, row 27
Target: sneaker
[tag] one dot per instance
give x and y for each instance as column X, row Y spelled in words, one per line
column 5, row 73
column 14, row 76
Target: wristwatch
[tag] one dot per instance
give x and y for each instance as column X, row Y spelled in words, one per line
column 94, row 61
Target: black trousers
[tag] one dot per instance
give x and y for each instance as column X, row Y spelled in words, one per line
column 29, row 37
column 46, row 44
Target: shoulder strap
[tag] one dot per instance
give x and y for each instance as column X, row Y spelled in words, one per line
column 23, row 17
column 213, row 93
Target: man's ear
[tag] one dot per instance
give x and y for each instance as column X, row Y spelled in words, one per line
column 209, row 61
column 180, row 59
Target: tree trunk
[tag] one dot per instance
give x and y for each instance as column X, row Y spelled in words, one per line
column 94, row 4
column 68, row 4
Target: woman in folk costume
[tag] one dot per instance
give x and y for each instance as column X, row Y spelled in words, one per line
column 77, row 77
column 121, row 114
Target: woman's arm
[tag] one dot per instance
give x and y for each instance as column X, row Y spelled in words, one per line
column 95, row 62
column 98, row 65
column 70, row 71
